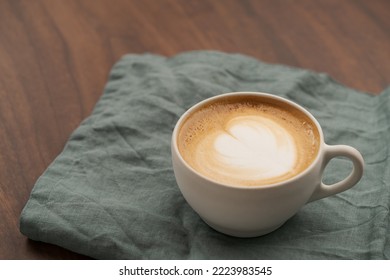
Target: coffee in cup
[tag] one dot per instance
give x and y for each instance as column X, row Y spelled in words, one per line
column 244, row 141
column 248, row 161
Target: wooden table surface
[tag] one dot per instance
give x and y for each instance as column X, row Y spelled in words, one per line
column 55, row 57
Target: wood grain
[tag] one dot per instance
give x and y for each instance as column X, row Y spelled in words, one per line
column 55, row 57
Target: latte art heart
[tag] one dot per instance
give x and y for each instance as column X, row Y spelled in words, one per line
column 251, row 145
column 246, row 142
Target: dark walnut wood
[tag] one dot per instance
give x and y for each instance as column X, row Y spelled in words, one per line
column 55, row 57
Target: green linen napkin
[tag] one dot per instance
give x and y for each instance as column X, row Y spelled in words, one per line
column 111, row 193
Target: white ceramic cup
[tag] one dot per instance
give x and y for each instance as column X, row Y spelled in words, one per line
column 247, row 211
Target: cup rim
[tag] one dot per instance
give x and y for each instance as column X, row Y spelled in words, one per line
column 248, row 93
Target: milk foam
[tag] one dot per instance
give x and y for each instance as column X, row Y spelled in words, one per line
column 247, row 142
column 252, row 145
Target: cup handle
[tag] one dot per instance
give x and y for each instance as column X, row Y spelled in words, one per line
column 324, row 190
